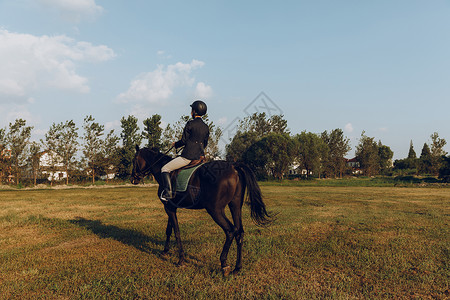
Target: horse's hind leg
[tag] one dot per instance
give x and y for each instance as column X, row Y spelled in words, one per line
column 219, row 217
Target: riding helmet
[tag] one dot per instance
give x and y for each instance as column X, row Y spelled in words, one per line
column 199, row 107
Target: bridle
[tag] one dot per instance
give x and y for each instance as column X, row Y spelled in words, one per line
column 148, row 170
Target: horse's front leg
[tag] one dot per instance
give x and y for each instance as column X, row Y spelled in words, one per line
column 172, row 213
column 168, row 234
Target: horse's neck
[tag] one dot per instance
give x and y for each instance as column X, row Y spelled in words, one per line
column 156, row 170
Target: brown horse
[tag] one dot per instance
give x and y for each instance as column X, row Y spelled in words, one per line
column 213, row 186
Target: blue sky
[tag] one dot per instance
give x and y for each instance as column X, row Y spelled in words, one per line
column 378, row 66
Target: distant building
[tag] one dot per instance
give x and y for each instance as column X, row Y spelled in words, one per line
column 50, row 166
column 295, row 169
column 354, row 165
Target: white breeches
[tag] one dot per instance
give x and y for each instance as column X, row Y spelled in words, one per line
column 175, row 164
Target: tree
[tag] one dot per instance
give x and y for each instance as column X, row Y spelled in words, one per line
column 444, row 171
column 34, row 159
column 262, row 126
column 18, row 138
column 3, row 157
column 437, row 152
column 367, row 155
column 250, row 130
column 93, row 145
column 411, row 153
column 239, row 144
column 130, row 138
column 410, row 163
column 153, row 131
column 425, row 161
column 311, row 151
column 271, row 155
column 110, row 153
column 338, row 147
column 50, row 144
column 385, row 155
column 67, row 144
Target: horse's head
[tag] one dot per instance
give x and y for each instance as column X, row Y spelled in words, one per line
column 143, row 162
column 138, row 164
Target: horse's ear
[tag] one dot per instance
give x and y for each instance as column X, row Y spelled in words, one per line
column 137, row 148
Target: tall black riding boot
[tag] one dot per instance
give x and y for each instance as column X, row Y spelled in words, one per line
column 166, row 194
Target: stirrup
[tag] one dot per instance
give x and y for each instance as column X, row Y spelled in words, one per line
column 163, row 198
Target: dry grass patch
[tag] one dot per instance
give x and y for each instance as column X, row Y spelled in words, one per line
column 327, row 242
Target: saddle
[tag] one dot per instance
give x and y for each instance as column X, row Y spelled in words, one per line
column 180, row 177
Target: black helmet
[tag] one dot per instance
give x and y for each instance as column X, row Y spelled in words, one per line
column 199, row 107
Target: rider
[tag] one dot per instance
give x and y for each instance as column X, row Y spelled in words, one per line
column 194, row 139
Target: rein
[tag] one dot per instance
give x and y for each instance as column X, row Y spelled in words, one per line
column 147, row 171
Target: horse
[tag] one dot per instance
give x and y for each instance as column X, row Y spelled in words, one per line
column 213, row 186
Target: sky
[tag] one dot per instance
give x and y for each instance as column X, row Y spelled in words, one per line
column 378, row 67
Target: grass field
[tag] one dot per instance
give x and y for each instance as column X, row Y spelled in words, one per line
column 334, row 242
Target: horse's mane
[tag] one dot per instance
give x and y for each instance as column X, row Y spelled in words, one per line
column 156, row 154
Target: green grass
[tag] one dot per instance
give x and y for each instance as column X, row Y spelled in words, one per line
column 337, row 242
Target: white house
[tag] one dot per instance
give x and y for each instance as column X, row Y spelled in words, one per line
column 295, row 169
column 48, row 160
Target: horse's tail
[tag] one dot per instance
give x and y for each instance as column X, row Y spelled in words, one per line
column 258, row 210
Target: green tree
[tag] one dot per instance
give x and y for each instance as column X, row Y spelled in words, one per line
column 93, row 145
column 49, row 144
column 252, row 129
column 311, row 152
column 271, row 155
column 385, row 155
column 153, row 131
column 67, row 145
column 338, row 147
column 110, row 154
column 17, row 139
column 367, row 155
column 444, row 171
column 239, row 144
column 425, row 161
column 3, row 159
column 34, row 159
column 411, row 153
column 130, row 137
column 437, row 152
column 262, row 126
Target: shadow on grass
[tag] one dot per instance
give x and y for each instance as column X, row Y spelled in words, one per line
column 129, row 237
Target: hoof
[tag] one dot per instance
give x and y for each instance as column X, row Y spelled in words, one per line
column 236, row 271
column 164, row 254
column 226, row 271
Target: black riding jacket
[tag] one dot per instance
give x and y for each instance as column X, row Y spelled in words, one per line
column 194, row 139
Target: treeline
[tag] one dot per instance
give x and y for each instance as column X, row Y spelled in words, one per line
column 86, row 155
column 272, row 151
column 264, row 143
column 432, row 160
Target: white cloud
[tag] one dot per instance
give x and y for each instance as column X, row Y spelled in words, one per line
column 159, row 85
column 29, row 63
column 348, row 128
column 74, row 10
column 203, row 91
